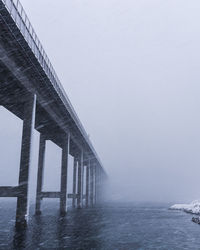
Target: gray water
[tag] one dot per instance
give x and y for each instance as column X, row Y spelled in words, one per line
column 114, row 226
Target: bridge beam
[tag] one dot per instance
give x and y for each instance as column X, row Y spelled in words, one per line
column 28, row 123
column 50, row 194
column 9, row 191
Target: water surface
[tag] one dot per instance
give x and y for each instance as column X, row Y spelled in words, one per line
column 115, row 226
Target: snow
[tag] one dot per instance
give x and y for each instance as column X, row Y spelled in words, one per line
column 193, row 207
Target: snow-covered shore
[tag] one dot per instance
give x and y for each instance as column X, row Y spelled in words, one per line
column 193, row 207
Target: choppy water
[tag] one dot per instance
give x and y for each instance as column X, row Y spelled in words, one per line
column 116, row 226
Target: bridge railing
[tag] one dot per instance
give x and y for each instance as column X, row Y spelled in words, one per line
column 18, row 14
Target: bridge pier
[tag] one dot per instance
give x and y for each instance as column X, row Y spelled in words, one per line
column 41, row 159
column 87, row 186
column 64, row 170
column 82, row 181
column 79, row 198
column 28, row 123
column 79, row 191
column 98, row 184
column 91, row 185
column 74, row 183
column 101, row 184
column 62, row 194
column 88, row 198
column 95, row 184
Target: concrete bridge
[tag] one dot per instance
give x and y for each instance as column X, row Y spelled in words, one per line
column 30, row 89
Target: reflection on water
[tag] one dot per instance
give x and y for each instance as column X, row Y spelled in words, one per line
column 117, row 226
column 19, row 239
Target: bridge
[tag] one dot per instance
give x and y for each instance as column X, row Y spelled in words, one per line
column 31, row 90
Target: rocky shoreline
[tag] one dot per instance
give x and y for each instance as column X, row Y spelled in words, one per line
column 192, row 208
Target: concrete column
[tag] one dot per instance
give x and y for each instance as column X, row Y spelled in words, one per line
column 87, row 185
column 74, row 183
column 79, row 198
column 40, row 173
column 95, row 184
column 28, row 126
column 99, row 184
column 82, row 184
column 91, row 186
column 64, row 169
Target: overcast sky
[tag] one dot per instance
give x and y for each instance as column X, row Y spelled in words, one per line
column 132, row 72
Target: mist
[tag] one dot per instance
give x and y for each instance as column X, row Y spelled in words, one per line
column 131, row 71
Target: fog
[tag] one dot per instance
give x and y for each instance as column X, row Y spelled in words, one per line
column 131, row 71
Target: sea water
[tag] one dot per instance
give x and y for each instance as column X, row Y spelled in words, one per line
column 113, row 226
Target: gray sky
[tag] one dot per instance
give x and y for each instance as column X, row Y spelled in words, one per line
column 131, row 71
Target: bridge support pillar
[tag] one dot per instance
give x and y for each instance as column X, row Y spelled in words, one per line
column 80, row 182
column 40, row 173
column 87, row 186
column 91, row 186
column 95, row 184
column 28, row 125
column 79, row 195
column 64, row 170
column 100, row 187
column 74, row 183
